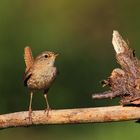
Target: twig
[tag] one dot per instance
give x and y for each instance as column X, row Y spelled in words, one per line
column 71, row 116
column 107, row 94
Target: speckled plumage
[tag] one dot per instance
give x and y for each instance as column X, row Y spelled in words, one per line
column 39, row 74
column 42, row 73
column 41, row 79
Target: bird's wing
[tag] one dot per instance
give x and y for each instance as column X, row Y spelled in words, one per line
column 28, row 57
column 27, row 76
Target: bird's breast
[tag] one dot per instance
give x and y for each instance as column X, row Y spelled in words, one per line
column 42, row 78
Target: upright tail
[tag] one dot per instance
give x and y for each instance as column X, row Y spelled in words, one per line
column 28, row 57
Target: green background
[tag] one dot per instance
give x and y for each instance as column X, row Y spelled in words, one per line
column 81, row 31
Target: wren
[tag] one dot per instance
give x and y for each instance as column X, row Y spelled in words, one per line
column 40, row 73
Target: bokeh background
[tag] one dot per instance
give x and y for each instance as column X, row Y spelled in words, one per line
column 81, row 32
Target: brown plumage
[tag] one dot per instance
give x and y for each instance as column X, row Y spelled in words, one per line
column 28, row 57
column 40, row 73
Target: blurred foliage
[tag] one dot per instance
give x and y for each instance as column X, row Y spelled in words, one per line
column 81, row 32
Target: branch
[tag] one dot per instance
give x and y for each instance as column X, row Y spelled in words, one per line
column 118, row 43
column 124, row 82
column 71, row 116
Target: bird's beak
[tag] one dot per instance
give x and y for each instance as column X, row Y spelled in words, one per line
column 56, row 54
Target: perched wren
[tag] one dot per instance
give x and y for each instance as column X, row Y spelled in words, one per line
column 40, row 73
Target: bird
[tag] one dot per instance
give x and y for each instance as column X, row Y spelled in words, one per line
column 40, row 73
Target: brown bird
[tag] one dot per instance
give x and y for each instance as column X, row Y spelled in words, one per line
column 40, row 73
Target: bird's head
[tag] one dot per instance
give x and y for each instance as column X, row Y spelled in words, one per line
column 47, row 57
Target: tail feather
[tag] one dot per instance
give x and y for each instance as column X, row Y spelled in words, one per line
column 28, row 57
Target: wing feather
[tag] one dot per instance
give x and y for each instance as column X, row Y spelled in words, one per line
column 27, row 76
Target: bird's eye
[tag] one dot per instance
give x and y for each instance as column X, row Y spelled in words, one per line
column 46, row 56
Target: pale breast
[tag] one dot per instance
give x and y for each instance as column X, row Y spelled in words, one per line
column 42, row 78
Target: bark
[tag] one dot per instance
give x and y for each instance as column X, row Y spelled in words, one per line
column 70, row 116
column 124, row 82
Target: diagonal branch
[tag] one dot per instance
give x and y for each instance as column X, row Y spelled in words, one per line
column 71, row 116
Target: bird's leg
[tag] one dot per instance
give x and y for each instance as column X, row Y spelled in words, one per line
column 47, row 103
column 30, row 107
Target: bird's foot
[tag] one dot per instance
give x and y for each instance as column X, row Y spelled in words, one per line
column 30, row 115
column 47, row 110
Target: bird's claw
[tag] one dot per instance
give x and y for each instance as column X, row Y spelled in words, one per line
column 47, row 110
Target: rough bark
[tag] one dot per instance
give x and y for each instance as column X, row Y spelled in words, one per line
column 71, row 116
column 124, row 82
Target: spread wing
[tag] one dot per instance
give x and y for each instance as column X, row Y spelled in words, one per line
column 28, row 57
